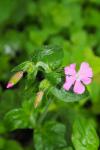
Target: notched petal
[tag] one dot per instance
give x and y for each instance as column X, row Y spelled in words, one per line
column 79, row 88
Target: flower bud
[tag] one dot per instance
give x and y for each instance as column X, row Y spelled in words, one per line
column 14, row 79
column 44, row 85
column 38, row 99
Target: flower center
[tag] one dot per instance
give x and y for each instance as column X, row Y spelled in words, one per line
column 77, row 77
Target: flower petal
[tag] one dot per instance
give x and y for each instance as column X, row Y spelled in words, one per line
column 9, row 85
column 87, row 81
column 72, row 66
column 79, row 88
column 70, row 70
column 85, row 71
column 69, row 82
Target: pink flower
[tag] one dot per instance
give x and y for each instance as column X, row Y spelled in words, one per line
column 78, row 79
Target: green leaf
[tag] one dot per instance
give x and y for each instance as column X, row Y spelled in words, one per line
column 95, row 1
column 28, row 107
column 2, row 128
column 67, row 148
column 54, row 78
column 19, row 12
column 15, row 119
column 9, row 145
column 94, row 90
column 92, row 16
column 67, row 96
column 51, row 55
column 37, row 36
column 22, row 117
column 2, row 143
column 50, row 136
column 84, row 135
column 93, row 60
column 25, row 66
column 6, row 8
column 12, row 41
column 8, row 100
column 43, row 66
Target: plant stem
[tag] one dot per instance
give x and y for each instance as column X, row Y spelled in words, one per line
column 45, row 111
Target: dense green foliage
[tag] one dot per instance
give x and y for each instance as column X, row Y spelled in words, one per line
column 63, row 120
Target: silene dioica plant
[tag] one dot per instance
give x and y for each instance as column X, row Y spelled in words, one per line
column 49, row 88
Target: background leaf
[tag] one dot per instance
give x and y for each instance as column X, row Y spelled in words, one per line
column 51, row 136
column 84, row 135
column 51, row 55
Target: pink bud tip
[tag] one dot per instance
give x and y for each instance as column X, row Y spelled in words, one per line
column 9, row 85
